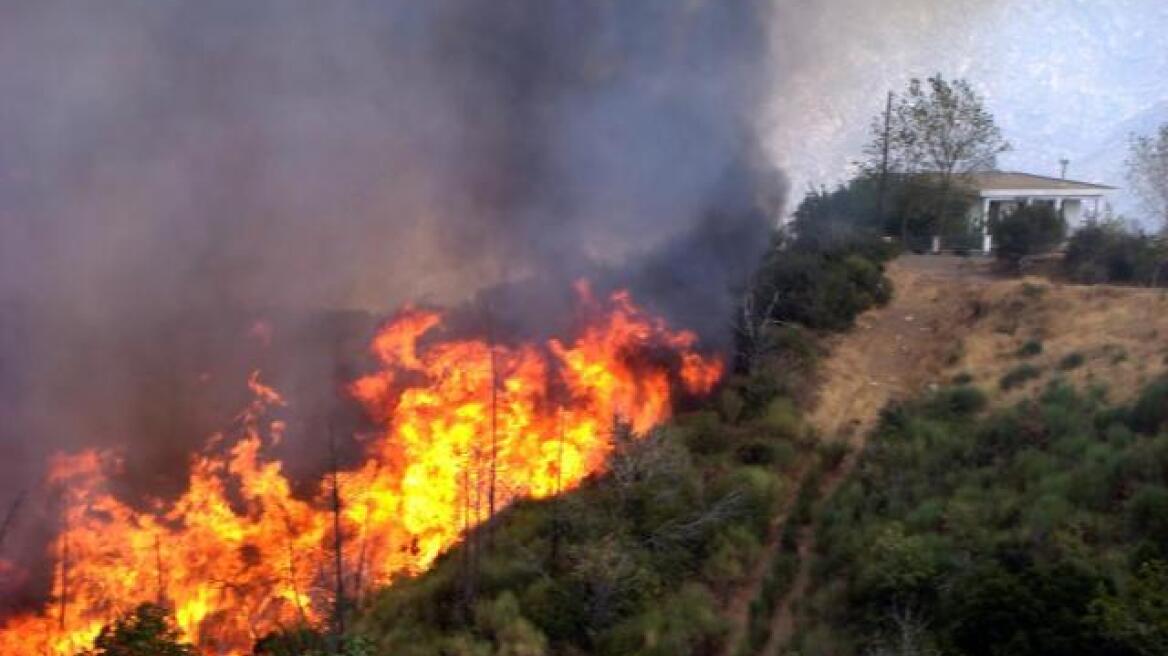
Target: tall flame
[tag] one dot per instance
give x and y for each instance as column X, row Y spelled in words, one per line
column 467, row 426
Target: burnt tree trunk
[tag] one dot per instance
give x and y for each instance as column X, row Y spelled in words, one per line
column 338, row 546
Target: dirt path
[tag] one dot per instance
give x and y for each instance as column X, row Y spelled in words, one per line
column 893, row 353
column 872, row 364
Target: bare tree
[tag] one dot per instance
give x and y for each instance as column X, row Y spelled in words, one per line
column 908, row 636
column 493, row 463
column 1147, row 171
column 338, row 542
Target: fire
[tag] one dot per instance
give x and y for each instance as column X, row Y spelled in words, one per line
column 466, row 427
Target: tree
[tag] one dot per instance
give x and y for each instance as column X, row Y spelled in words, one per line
column 939, row 129
column 1147, row 171
column 1028, row 230
column 147, row 631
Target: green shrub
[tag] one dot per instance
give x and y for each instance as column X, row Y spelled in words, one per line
column 832, row 453
column 731, row 555
column 820, row 289
column 1018, row 376
column 1109, row 252
column 782, row 419
column 704, row 433
column 1150, row 413
column 1147, row 514
column 956, row 401
column 730, row 405
column 689, row 624
column 1028, row 230
column 147, row 631
column 766, row 452
column 502, row 622
column 1072, row 361
column 757, row 452
column 1030, row 349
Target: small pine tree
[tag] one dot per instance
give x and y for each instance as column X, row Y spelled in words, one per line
column 147, row 631
column 1029, row 230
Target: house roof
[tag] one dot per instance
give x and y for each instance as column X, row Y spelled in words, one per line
column 1008, row 180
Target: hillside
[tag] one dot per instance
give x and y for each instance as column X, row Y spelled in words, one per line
column 952, row 319
column 1003, row 342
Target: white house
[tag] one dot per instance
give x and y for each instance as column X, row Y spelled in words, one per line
column 1002, row 191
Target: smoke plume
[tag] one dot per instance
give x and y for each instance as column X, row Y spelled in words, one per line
column 189, row 191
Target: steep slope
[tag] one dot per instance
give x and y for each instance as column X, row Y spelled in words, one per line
column 952, row 319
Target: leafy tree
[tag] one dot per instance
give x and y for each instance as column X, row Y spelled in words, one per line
column 1147, row 171
column 147, row 631
column 1028, row 230
column 939, row 129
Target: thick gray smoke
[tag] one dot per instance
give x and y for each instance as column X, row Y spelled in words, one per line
column 171, row 173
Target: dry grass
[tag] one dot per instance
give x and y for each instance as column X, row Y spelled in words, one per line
column 950, row 320
column 1119, row 334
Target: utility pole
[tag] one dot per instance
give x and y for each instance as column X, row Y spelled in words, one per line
column 885, row 146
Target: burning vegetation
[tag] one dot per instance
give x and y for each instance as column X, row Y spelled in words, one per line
column 465, row 427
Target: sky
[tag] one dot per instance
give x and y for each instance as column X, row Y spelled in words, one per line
column 1064, row 78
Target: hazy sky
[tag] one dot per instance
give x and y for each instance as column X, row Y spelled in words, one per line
column 1065, row 78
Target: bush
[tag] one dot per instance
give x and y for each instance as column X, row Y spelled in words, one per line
column 956, row 401
column 730, row 405
column 1030, row 349
column 1110, row 253
column 1028, row 230
column 704, row 433
column 820, row 289
column 1072, row 361
column 1150, row 413
column 832, row 453
column 1018, row 376
column 782, row 419
column 147, row 631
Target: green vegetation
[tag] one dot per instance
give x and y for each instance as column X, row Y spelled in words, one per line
column 1030, row 349
column 632, row 562
column 1028, row 230
column 147, row 631
column 1019, row 376
column 776, row 584
column 820, row 285
column 1038, row 529
column 1109, row 252
column 1072, row 361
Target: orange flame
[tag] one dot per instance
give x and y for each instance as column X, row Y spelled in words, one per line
column 467, row 426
